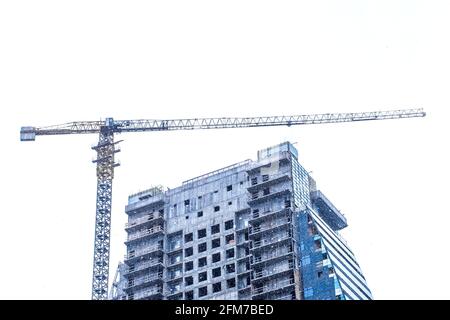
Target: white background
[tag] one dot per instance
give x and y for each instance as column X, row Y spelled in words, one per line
column 63, row 61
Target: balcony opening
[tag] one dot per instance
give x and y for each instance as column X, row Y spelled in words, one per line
column 231, row 283
column 203, row 291
column 217, row 287
column 175, row 259
column 266, row 191
column 199, row 214
column 230, row 268
column 229, row 188
column 202, row 276
column 229, row 239
column 189, row 295
column 215, row 229
column 188, row 252
column 216, row 257
column 317, row 244
column 229, row 224
column 215, row 243
column 201, row 233
column 230, row 253
column 216, row 272
column 175, row 274
column 188, row 281
column 188, row 266
column 216, row 208
column 202, row 262
column 202, row 247
column 312, row 230
column 174, row 243
column 188, row 237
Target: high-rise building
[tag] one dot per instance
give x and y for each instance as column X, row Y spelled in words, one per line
column 252, row 230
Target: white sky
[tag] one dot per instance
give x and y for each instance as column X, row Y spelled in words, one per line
column 84, row 60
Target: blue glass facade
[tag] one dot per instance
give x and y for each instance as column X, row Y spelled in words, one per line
column 340, row 260
column 328, row 267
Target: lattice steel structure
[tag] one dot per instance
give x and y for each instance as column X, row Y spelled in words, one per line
column 105, row 174
column 85, row 127
column 106, row 149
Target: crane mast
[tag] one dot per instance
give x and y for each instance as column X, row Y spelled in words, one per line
column 107, row 148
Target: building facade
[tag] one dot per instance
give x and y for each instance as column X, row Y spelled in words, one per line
column 254, row 230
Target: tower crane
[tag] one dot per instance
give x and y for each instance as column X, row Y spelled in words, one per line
column 106, row 148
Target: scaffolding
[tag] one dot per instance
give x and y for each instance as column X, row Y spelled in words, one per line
column 271, row 229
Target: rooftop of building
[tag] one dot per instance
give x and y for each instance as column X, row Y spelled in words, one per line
column 262, row 154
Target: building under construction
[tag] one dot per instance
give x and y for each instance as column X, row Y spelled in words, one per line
column 253, row 230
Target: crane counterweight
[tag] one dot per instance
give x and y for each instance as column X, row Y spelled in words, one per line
column 27, row 134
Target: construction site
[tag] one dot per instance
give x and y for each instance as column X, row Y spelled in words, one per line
column 259, row 229
column 183, row 155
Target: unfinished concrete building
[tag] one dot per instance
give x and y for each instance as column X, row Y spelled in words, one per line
column 253, row 230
